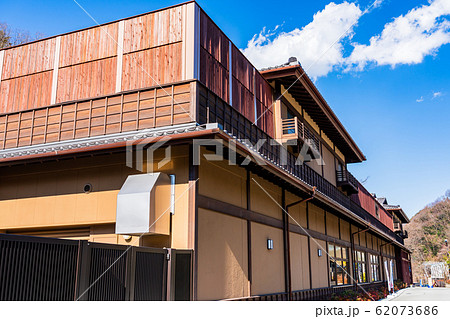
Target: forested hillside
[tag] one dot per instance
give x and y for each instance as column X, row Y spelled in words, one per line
column 427, row 231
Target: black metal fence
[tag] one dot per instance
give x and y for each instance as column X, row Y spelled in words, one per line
column 35, row 268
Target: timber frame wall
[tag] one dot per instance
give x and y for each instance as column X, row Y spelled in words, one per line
column 214, row 109
column 168, row 67
column 151, row 107
column 154, row 49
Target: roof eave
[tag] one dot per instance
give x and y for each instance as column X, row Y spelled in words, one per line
column 298, row 72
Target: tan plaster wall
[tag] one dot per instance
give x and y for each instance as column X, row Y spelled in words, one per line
column 329, row 169
column 222, row 256
column 48, row 197
column 345, row 230
column 332, row 225
column 221, row 181
column 262, row 196
column 319, row 269
column 297, row 212
column 316, row 218
column 267, row 265
column 299, row 262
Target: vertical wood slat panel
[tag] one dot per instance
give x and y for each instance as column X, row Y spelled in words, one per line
column 28, row 59
column 150, row 67
column 88, row 45
column 154, row 29
column 214, row 60
column 91, row 79
column 26, row 92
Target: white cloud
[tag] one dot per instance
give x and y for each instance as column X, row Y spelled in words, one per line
column 420, row 99
column 407, row 39
column 319, row 45
column 314, row 45
column 377, row 3
column 436, row 94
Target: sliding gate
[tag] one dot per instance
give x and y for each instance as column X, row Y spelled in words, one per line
column 35, row 268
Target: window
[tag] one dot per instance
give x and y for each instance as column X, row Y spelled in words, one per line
column 338, row 265
column 377, row 213
column 374, row 268
column 360, row 266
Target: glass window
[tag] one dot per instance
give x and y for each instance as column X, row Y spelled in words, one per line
column 374, row 268
column 339, row 269
column 331, row 250
column 338, row 252
column 360, row 266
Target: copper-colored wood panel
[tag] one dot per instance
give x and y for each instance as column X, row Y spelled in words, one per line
column 88, row 59
column 242, row 69
column 154, row 29
column 22, row 93
column 145, row 123
column 243, row 100
column 263, row 90
column 88, row 45
column 213, row 40
column 214, row 75
column 29, row 59
column 86, row 80
column 155, row 66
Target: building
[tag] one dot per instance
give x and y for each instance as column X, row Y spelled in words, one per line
column 398, row 216
column 83, row 111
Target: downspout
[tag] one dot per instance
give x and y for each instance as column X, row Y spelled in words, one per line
column 169, row 282
column 172, row 206
column 288, row 240
column 352, row 242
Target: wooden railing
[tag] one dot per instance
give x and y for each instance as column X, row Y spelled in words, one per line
column 293, row 128
column 212, row 109
column 344, row 177
column 116, row 113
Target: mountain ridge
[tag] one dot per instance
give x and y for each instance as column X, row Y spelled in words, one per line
column 427, row 232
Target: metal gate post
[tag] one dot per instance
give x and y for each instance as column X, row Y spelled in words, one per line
column 83, row 271
column 170, row 282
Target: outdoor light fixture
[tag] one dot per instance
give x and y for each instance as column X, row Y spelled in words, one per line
column 319, row 252
column 126, row 237
column 269, row 244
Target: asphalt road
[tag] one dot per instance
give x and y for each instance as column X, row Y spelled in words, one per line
column 423, row 294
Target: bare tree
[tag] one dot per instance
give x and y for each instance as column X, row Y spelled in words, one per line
column 10, row 37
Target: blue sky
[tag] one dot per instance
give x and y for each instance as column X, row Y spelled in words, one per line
column 387, row 79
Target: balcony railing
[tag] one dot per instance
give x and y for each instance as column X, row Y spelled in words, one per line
column 294, row 129
column 212, row 109
column 347, row 181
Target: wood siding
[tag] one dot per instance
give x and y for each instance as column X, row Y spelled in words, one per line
column 250, row 91
column 88, row 60
column 148, row 108
column 368, row 202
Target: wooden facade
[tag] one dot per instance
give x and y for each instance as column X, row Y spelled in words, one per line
column 84, row 64
column 367, row 201
column 229, row 74
column 130, row 54
column 176, row 67
column 116, row 113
